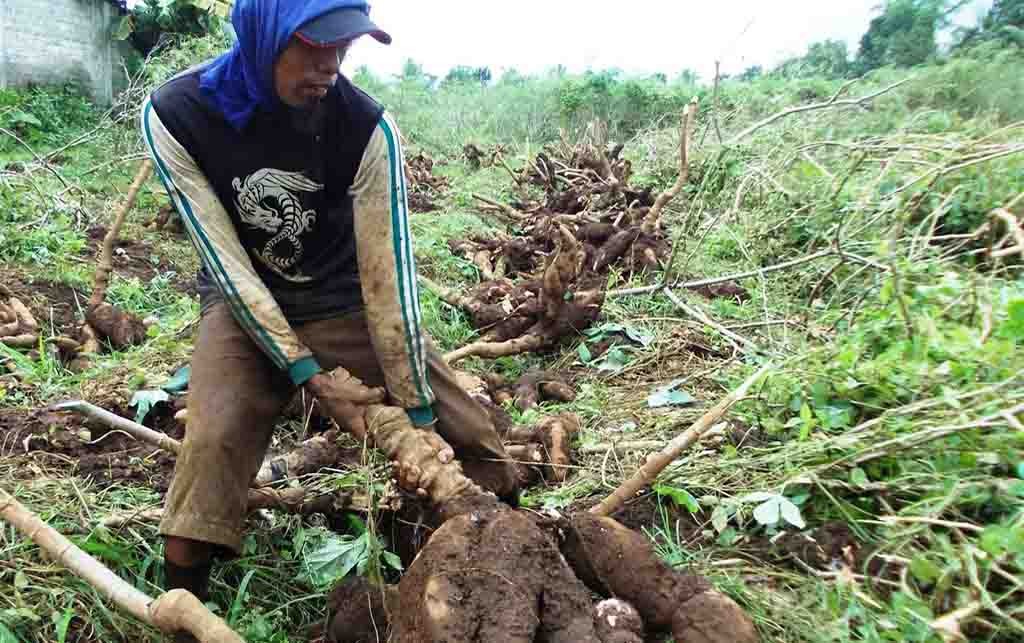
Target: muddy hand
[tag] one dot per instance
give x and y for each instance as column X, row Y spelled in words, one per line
column 411, row 477
column 344, row 398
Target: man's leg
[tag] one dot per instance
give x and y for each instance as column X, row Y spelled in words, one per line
column 235, row 396
column 461, row 420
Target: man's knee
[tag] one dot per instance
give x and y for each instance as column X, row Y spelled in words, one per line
column 185, row 552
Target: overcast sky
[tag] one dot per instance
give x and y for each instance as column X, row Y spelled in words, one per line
column 637, row 36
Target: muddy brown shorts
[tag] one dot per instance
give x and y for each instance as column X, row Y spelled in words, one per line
column 236, row 395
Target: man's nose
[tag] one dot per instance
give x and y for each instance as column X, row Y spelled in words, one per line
column 326, row 60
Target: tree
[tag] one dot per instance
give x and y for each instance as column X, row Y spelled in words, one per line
column 1003, row 22
column 688, row 77
column 150, row 20
column 751, row 73
column 828, row 58
column 464, row 74
column 904, row 34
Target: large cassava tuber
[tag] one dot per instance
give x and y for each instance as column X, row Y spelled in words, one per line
column 530, row 389
column 491, row 573
column 616, row 561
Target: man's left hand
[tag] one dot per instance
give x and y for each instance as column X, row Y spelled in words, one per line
column 344, row 398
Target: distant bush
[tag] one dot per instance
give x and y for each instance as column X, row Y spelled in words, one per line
column 41, row 115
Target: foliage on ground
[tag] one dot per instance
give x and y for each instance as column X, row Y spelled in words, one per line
column 890, row 426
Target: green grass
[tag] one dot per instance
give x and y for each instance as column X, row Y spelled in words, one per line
column 883, row 411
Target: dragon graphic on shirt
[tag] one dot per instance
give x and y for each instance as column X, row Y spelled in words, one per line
column 268, row 200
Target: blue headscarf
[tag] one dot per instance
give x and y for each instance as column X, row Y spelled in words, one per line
column 242, row 80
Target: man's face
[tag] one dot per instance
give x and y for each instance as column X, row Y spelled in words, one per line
column 303, row 73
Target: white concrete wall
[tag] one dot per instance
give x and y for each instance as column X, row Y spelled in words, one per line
column 55, row 41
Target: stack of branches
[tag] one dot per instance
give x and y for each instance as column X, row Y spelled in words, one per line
column 547, row 281
column 587, row 190
column 424, row 185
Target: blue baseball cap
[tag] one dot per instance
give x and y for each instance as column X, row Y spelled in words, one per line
column 338, row 25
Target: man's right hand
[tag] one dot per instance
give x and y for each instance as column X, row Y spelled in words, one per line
column 344, row 398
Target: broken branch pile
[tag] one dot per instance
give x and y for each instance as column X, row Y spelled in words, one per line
column 424, row 185
column 547, row 281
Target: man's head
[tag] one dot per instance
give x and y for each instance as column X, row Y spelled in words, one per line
column 309, row 65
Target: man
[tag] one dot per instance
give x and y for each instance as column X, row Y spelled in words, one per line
column 291, row 185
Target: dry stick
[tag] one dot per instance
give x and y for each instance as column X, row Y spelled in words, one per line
column 493, row 350
column 106, row 265
column 744, row 344
column 718, row 280
column 115, row 421
column 1013, row 225
column 657, row 462
column 714, row 100
column 622, row 447
column 832, row 102
column 507, row 210
column 272, row 470
column 39, row 159
column 653, row 218
column 173, row 611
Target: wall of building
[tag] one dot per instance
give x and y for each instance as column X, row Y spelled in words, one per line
column 55, row 41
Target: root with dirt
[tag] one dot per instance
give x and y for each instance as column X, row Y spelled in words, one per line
column 540, row 571
column 547, row 282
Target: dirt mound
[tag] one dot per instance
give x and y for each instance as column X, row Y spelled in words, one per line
column 53, row 304
column 139, row 259
column 425, row 187
column 87, row 448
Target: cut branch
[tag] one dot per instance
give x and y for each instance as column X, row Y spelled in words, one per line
column 718, row 280
column 136, row 430
column 101, row 281
column 832, row 102
column 653, row 219
column 507, row 210
column 174, row 611
column 742, row 342
column 657, row 463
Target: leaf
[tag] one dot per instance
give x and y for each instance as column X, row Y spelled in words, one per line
column 336, row 558
column 791, row 513
column 236, row 605
column 584, row 353
column 768, row 512
column 392, row 560
column 924, row 570
column 614, row 360
column 1013, row 328
column 807, row 417
column 669, row 396
column 179, row 382
column 20, row 581
column 634, row 334
column 124, row 28
column 144, row 401
column 728, row 537
column 62, row 623
column 757, row 496
column 720, row 517
column 858, row 477
column 19, row 117
column 682, row 497
column 7, row 636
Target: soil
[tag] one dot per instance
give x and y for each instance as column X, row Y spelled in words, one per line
column 89, row 449
column 827, row 548
column 49, row 301
column 139, row 259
